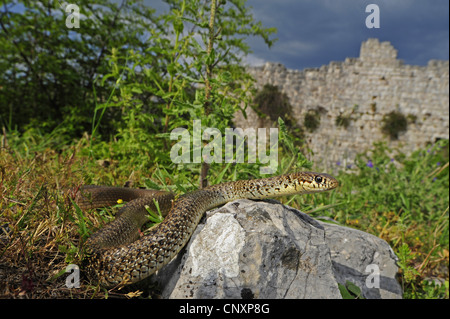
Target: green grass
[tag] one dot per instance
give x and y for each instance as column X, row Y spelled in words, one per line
column 402, row 199
column 405, row 201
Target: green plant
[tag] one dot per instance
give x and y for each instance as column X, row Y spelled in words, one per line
column 50, row 70
column 393, row 124
column 269, row 101
column 197, row 48
column 344, row 121
column 292, row 157
column 404, row 200
column 272, row 103
column 350, row 291
column 406, row 258
column 312, row 120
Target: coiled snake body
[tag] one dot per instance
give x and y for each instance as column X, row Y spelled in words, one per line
column 119, row 256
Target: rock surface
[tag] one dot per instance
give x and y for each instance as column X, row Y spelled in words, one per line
column 365, row 260
column 249, row 249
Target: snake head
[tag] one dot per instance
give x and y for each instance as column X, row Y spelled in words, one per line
column 326, row 181
column 316, row 182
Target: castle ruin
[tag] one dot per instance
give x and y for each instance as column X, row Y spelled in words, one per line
column 364, row 89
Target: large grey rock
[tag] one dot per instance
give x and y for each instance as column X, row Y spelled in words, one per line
column 249, row 249
column 363, row 259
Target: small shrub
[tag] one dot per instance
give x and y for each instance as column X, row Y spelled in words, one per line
column 312, row 120
column 393, row 124
column 272, row 103
column 343, row 120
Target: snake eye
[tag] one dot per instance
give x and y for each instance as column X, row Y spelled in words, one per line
column 318, row 179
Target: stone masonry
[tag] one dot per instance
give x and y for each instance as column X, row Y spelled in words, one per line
column 365, row 89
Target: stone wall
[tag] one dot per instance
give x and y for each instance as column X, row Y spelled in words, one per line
column 364, row 88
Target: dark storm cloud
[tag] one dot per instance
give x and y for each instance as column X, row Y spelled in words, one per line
column 312, row 33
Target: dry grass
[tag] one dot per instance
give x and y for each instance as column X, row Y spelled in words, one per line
column 41, row 232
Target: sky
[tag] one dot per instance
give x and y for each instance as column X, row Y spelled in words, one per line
column 311, row 33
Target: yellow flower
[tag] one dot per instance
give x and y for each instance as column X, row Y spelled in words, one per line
column 119, row 201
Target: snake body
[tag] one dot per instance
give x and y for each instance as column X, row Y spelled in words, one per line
column 117, row 254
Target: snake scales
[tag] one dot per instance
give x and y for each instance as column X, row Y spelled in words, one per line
column 118, row 255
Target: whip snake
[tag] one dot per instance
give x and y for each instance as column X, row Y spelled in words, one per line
column 117, row 253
